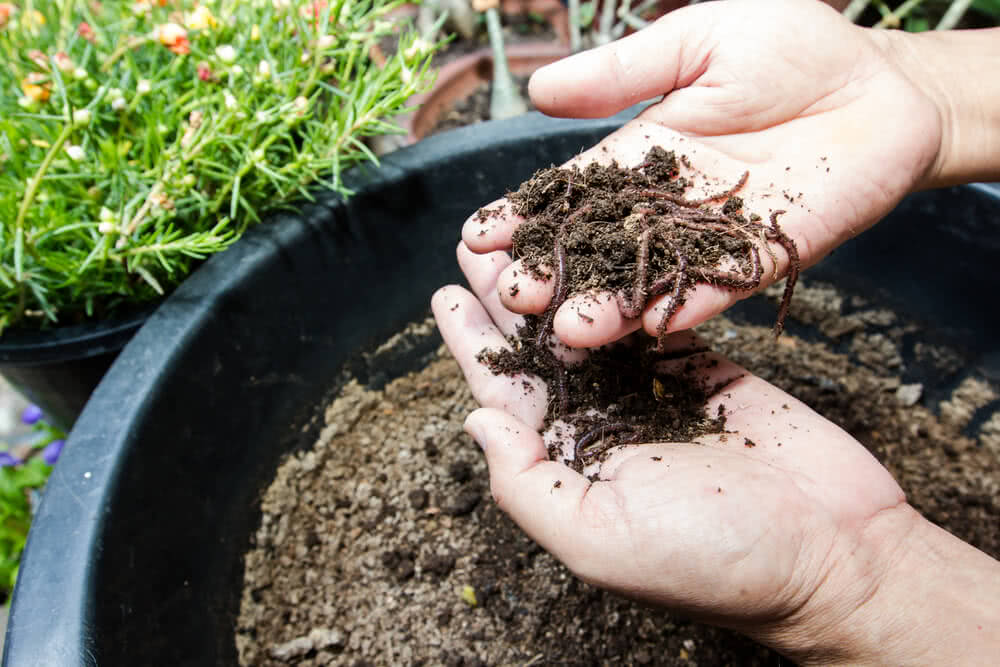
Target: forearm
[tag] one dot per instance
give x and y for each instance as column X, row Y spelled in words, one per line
column 912, row 594
column 960, row 71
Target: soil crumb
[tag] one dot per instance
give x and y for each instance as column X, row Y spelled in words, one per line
column 382, row 546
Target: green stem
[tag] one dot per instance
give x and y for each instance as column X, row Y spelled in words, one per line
column 29, row 198
column 893, row 18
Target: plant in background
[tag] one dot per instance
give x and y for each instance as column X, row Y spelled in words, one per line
column 24, row 469
column 137, row 138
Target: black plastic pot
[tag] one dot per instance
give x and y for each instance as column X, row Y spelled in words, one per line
column 58, row 369
column 135, row 557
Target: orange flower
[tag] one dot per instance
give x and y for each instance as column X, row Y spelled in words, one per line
column 174, row 37
column 314, row 10
column 37, row 87
column 85, row 31
column 6, row 10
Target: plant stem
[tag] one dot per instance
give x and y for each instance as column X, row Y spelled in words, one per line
column 29, row 198
column 893, row 18
column 505, row 100
column 956, row 10
column 574, row 25
column 855, row 9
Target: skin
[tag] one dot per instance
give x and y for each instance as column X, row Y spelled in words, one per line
column 810, row 546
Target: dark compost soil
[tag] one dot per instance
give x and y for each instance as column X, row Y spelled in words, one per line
column 632, row 232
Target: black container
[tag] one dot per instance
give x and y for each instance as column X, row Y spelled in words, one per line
column 58, row 369
column 135, row 557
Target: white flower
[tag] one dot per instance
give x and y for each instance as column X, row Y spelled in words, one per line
column 264, row 69
column 80, row 74
column 81, row 117
column 143, row 87
column 107, row 227
column 75, row 153
column 262, row 116
column 118, row 104
column 106, row 215
column 304, row 58
column 326, row 41
column 226, row 53
column 236, row 70
column 420, row 47
column 230, row 101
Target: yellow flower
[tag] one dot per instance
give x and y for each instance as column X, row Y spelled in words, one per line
column 36, row 87
column 200, row 19
column 255, row 33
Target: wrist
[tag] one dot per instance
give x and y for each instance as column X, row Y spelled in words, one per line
column 957, row 71
column 906, row 592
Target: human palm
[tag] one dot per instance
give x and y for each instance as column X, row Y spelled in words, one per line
column 717, row 528
column 786, row 90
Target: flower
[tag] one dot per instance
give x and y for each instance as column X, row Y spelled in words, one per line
column 106, row 227
column 143, row 87
column 200, row 19
column 64, row 62
column 204, row 71
column 40, row 59
column 230, row 101
column 81, row 117
column 8, row 459
column 75, row 153
column 174, row 37
column 85, row 31
column 6, row 11
column 255, row 33
column 31, row 415
column 36, row 87
column 52, row 451
column 226, row 53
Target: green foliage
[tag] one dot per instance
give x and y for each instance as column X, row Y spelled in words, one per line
column 989, row 7
column 137, row 138
column 16, row 482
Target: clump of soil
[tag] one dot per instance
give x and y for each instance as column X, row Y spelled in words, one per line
column 381, row 545
column 630, row 231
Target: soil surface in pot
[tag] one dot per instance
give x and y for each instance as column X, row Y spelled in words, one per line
column 476, row 107
column 381, row 545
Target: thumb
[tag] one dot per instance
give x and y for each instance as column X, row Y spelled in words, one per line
column 545, row 498
column 670, row 54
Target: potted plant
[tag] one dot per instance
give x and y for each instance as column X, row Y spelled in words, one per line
column 141, row 538
column 138, row 139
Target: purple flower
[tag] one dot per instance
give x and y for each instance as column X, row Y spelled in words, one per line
column 31, row 414
column 52, row 451
column 8, row 459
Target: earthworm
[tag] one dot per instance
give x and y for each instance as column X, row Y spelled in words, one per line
column 598, row 433
column 794, row 267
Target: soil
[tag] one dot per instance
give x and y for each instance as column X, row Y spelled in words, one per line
column 381, row 545
column 476, row 107
column 634, row 233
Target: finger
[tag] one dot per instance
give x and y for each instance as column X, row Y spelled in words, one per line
column 482, row 272
column 521, row 291
column 559, row 508
column 491, row 227
column 603, row 81
column 467, row 329
column 592, row 320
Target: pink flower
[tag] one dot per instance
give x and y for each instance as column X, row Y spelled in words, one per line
column 85, row 31
column 204, row 71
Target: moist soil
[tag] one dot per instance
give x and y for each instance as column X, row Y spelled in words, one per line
column 633, row 233
column 381, row 545
column 476, row 107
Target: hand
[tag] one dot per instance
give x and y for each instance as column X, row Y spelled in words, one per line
column 817, row 110
column 802, row 541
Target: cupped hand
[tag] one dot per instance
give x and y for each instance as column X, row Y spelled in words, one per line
column 774, row 539
column 817, row 110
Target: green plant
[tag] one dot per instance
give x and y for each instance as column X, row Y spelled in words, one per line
column 20, row 481
column 137, row 138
